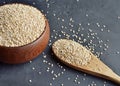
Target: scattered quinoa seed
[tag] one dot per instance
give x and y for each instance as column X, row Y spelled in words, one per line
column 118, row 52
column 33, row 68
column 86, row 15
column 118, row 17
column 62, row 84
column 30, row 81
column 39, row 73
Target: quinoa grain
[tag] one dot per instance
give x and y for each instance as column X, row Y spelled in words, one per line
column 20, row 24
column 71, row 52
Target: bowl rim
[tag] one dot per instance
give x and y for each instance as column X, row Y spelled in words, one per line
column 30, row 42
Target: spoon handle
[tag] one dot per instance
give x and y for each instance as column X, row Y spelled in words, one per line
column 115, row 78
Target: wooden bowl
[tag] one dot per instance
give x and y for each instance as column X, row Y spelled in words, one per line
column 15, row 55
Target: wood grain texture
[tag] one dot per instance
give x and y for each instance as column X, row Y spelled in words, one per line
column 94, row 67
column 15, row 55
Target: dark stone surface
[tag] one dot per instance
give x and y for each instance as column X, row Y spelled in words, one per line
column 104, row 12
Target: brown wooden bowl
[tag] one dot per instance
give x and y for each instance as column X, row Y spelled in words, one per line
column 21, row 54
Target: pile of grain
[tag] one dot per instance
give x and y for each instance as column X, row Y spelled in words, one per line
column 71, row 52
column 20, row 24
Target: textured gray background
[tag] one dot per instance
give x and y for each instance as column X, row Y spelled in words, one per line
column 104, row 12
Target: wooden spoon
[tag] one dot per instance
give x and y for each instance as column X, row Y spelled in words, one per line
column 94, row 66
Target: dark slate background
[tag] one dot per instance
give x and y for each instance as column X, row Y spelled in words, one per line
column 104, row 12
